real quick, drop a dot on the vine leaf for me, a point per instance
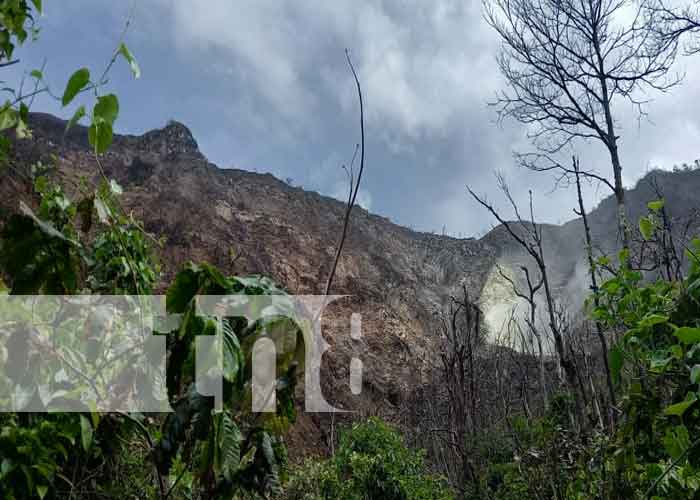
(688, 335)
(42, 491)
(106, 109)
(229, 439)
(695, 374)
(126, 53)
(100, 136)
(646, 227)
(77, 82)
(75, 119)
(656, 205)
(678, 409)
(86, 432)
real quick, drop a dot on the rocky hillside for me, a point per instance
(251, 223)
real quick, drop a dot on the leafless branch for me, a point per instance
(353, 189)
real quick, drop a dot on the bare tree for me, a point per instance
(529, 236)
(581, 212)
(678, 22)
(462, 336)
(354, 188)
(531, 320)
(354, 183)
(568, 63)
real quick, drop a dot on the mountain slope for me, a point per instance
(246, 223)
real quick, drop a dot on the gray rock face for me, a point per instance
(172, 140)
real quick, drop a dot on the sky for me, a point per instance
(264, 86)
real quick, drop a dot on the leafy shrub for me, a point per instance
(372, 462)
(655, 451)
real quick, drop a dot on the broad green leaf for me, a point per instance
(646, 227)
(611, 287)
(77, 116)
(22, 129)
(615, 359)
(77, 82)
(95, 416)
(249, 457)
(5, 467)
(656, 205)
(41, 491)
(106, 109)
(28, 476)
(124, 51)
(184, 287)
(688, 335)
(37, 5)
(8, 117)
(679, 409)
(43, 225)
(41, 184)
(652, 319)
(229, 439)
(653, 471)
(695, 374)
(100, 136)
(659, 362)
(676, 441)
(232, 355)
(23, 112)
(623, 256)
(677, 351)
(86, 432)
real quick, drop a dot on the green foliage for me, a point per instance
(654, 358)
(76, 83)
(51, 252)
(91, 246)
(655, 452)
(16, 25)
(372, 462)
(124, 51)
(235, 450)
(539, 458)
(33, 451)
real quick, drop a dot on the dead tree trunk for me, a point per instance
(594, 288)
(530, 239)
(531, 321)
(462, 337)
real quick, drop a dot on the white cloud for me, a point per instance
(417, 61)
(268, 86)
